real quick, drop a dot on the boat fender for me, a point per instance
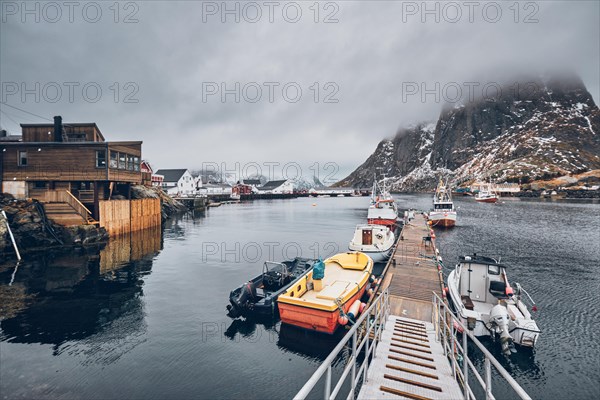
(343, 320)
(362, 307)
(354, 310)
(458, 327)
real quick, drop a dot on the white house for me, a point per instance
(177, 182)
(215, 189)
(277, 187)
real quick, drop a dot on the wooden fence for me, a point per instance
(119, 217)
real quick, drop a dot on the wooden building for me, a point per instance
(51, 160)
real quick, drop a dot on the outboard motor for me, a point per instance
(243, 300)
(499, 324)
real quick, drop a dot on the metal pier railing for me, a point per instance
(367, 335)
(447, 328)
(369, 327)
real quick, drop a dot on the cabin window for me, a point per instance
(100, 159)
(129, 162)
(493, 269)
(122, 161)
(40, 185)
(136, 164)
(22, 159)
(114, 157)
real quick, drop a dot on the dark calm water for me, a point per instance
(145, 317)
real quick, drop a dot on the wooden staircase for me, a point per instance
(67, 210)
(63, 214)
(410, 364)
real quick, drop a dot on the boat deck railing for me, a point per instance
(363, 337)
(447, 328)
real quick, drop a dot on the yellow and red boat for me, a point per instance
(318, 304)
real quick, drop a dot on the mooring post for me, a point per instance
(12, 238)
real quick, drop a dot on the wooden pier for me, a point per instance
(409, 336)
(410, 362)
(412, 273)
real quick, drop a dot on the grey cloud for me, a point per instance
(369, 54)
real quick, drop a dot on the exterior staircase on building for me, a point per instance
(63, 214)
(65, 209)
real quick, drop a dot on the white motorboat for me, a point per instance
(486, 303)
(374, 240)
(443, 213)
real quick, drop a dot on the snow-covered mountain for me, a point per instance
(551, 129)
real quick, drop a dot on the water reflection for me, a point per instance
(57, 297)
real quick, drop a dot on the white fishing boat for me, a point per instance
(486, 303)
(376, 241)
(443, 213)
(486, 194)
(382, 210)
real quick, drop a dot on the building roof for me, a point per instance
(251, 181)
(11, 138)
(171, 175)
(67, 124)
(272, 185)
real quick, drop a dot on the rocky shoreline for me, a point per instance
(34, 232)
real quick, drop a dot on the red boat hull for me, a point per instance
(313, 319)
(390, 223)
(489, 200)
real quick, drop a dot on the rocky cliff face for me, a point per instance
(533, 130)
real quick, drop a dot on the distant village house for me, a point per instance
(177, 182)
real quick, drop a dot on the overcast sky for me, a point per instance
(369, 61)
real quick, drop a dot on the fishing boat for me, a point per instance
(376, 241)
(486, 195)
(382, 210)
(328, 296)
(258, 297)
(443, 213)
(486, 303)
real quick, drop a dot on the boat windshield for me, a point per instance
(270, 265)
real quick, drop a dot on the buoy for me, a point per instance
(458, 327)
(362, 307)
(372, 278)
(314, 204)
(354, 310)
(343, 320)
(370, 292)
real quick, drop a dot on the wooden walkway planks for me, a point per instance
(412, 276)
(410, 375)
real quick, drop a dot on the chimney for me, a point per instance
(58, 128)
